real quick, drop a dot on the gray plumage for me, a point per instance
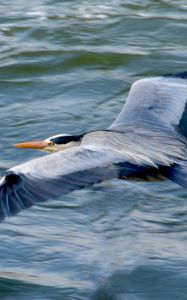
(147, 139)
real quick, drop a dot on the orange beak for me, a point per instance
(40, 145)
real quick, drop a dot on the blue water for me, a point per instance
(66, 67)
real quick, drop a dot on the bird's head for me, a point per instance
(54, 143)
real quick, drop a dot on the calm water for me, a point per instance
(66, 66)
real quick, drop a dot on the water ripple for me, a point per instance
(66, 66)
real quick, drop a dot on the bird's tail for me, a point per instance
(178, 173)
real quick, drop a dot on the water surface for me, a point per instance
(66, 66)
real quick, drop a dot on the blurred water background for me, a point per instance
(66, 66)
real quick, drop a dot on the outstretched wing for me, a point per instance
(57, 174)
(157, 100)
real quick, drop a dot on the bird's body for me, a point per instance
(147, 141)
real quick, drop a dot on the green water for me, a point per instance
(66, 66)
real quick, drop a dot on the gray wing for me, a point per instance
(159, 100)
(57, 174)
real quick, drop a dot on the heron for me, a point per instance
(147, 141)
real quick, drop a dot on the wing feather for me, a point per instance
(160, 100)
(54, 175)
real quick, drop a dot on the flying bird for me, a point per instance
(147, 141)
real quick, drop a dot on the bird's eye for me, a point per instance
(51, 144)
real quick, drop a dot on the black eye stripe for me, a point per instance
(65, 139)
